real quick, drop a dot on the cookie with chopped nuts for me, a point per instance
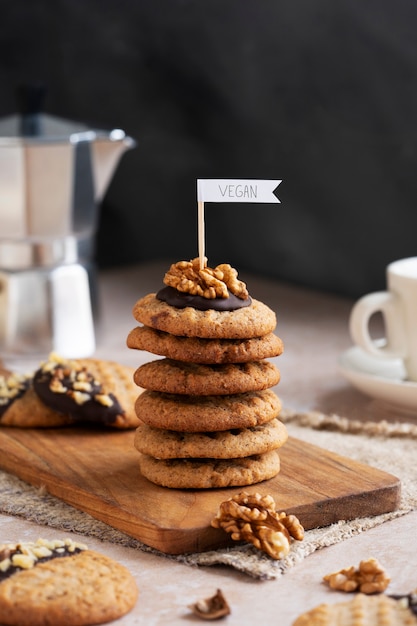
(207, 413)
(116, 381)
(362, 610)
(255, 320)
(169, 376)
(170, 444)
(209, 473)
(65, 392)
(62, 583)
(205, 351)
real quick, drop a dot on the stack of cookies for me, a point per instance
(208, 413)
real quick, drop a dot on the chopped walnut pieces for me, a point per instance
(79, 397)
(12, 386)
(104, 399)
(188, 277)
(369, 578)
(23, 561)
(212, 608)
(69, 378)
(82, 385)
(253, 518)
(21, 556)
(56, 386)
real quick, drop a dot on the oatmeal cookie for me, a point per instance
(209, 473)
(255, 320)
(207, 413)
(169, 444)
(193, 379)
(205, 351)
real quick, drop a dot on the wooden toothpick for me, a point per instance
(201, 236)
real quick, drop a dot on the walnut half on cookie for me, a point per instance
(188, 277)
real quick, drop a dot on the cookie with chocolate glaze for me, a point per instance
(255, 320)
(362, 610)
(65, 392)
(204, 351)
(209, 473)
(169, 376)
(238, 443)
(117, 381)
(62, 583)
(207, 413)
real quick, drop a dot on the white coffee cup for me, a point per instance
(398, 306)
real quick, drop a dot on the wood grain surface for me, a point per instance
(98, 472)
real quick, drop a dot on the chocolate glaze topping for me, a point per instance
(55, 554)
(181, 300)
(91, 409)
(410, 600)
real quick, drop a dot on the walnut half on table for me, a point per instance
(253, 518)
(369, 578)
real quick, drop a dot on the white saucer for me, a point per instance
(380, 379)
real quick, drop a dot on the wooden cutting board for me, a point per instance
(98, 473)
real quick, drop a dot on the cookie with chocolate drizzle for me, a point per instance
(63, 583)
(64, 392)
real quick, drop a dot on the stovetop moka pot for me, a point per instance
(53, 175)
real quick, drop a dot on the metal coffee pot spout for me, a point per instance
(53, 176)
(106, 153)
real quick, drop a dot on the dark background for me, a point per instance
(321, 94)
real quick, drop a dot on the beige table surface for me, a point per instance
(314, 327)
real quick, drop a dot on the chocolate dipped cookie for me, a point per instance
(62, 583)
(63, 392)
(362, 610)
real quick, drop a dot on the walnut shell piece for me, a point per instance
(212, 608)
(253, 518)
(369, 578)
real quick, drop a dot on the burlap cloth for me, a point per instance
(388, 446)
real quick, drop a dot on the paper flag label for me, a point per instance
(222, 190)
